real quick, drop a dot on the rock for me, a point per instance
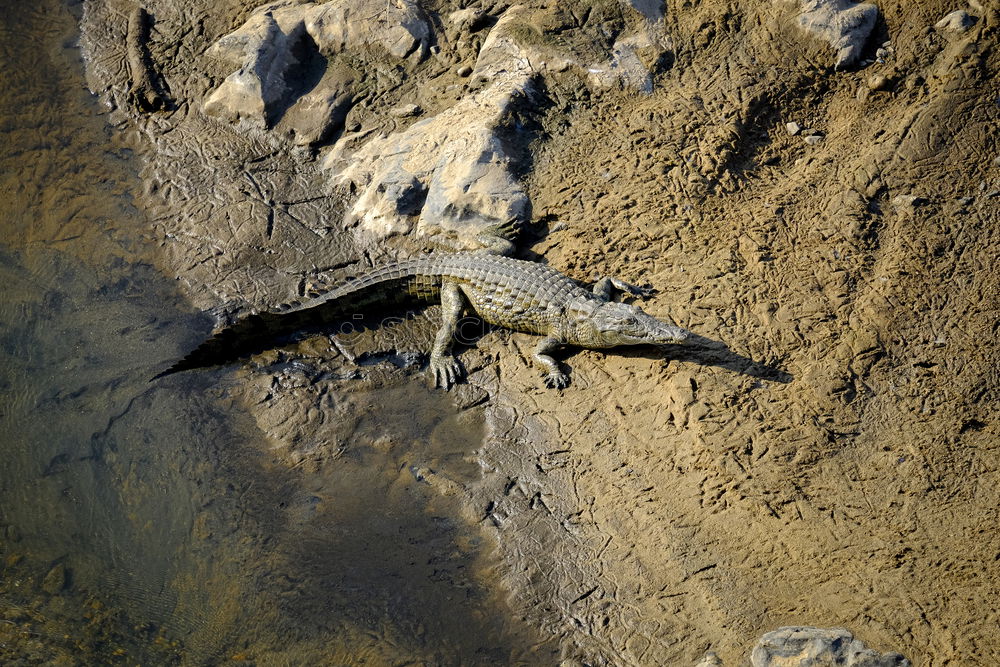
(467, 20)
(956, 22)
(710, 659)
(842, 23)
(406, 110)
(55, 580)
(265, 54)
(319, 113)
(651, 9)
(793, 128)
(464, 70)
(265, 48)
(877, 82)
(626, 65)
(450, 171)
(908, 201)
(818, 647)
(813, 139)
(400, 27)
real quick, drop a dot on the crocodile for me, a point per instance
(503, 291)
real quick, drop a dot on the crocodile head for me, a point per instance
(613, 324)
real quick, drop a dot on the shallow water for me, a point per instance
(182, 537)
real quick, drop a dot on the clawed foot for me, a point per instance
(446, 370)
(605, 289)
(641, 292)
(556, 380)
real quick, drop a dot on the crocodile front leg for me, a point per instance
(499, 239)
(605, 288)
(444, 367)
(556, 378)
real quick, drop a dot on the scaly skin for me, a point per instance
(511, 293)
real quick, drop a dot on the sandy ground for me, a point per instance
(667, 505)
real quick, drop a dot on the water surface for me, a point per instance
(149, 522)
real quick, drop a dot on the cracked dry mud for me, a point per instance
(664, 505)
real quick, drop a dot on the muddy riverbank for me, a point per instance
(813, 184)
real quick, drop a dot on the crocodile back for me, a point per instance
(514, 293)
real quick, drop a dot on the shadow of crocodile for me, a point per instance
(709, 352)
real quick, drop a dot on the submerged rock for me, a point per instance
(842, 23)
(55, 580)
(818, 647)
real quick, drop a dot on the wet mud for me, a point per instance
(825, 455)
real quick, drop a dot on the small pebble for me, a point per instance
(405, 110)
(813, 139)
(882, 53)
(877, 82)
(464, 70)
(908, 201)
(793, 128)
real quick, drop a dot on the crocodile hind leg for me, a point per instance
(605, 288)
(444, 366)
(556, 378)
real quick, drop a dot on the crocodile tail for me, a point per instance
(251, 335)
(385, 288)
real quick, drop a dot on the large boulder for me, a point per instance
(265, 50)
(451, 172)
(844, 24)
(268, 47)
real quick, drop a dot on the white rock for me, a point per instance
(710, 659)
(464, 19)
(264, 46)
(793, 128)
(264, 49)
(405, 110)
(813, 139)
(906, 202)
(818, 647)
(956, 22)
(449, 172)
(842, 23)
